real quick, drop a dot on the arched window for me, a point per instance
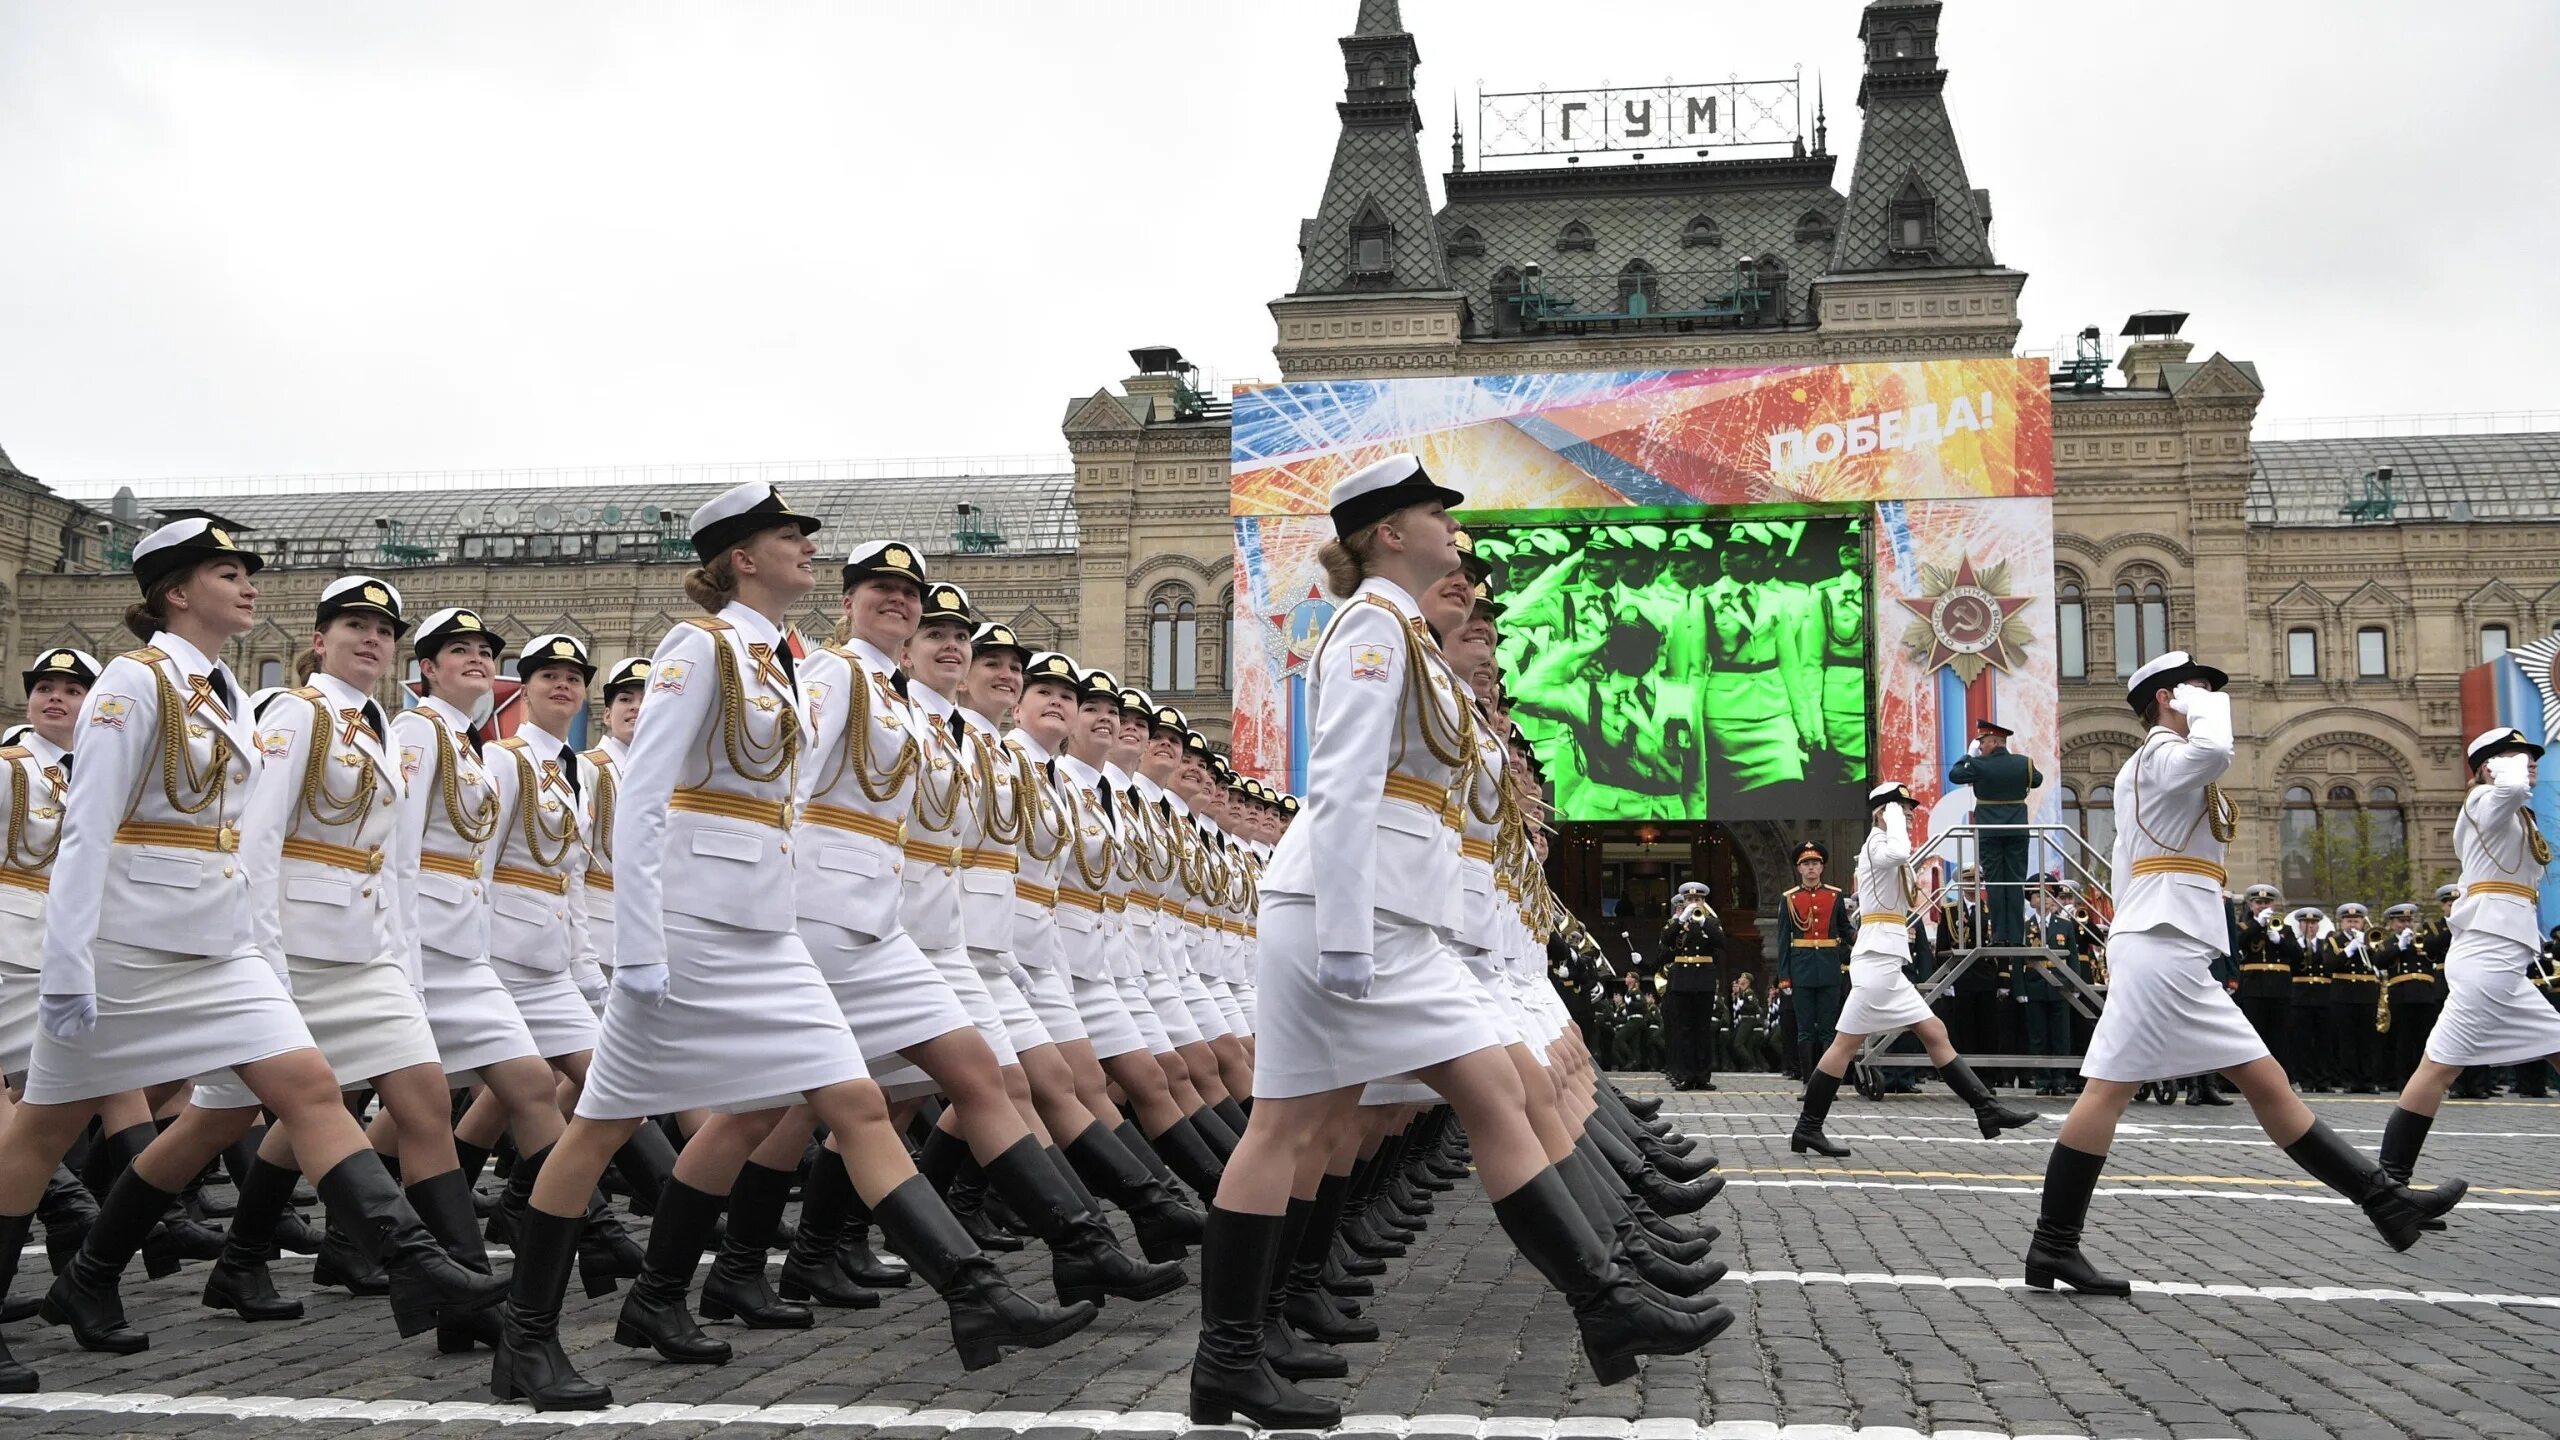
(1635, 288)
(1173, 641)
(1227, 634)
(1701, 230)
(2386, 829)
(2302, 654)
(1504, 291)
(2373, 653)
(1575, 236)
(1814, 228)
(2493, 642)
(1915, 217)
(2071, 616)
(1372, 238)
(1377, 73)
(1771, 275)
(2296, 833)
(1467, 241)
(2142, 622)
(270, 673)
(2098, 819)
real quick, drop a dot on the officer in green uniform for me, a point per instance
(2042, 998)
(1691, 954)
(1815, 933)
(2414, 980)
(2000, 778)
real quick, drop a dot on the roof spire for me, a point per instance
(1457, 138)
(1379, 17)
(1821, 124)
(1374, 228)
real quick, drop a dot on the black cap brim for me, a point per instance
(1415, 489)
(151, 569)
(2176, 676)
(721, 536)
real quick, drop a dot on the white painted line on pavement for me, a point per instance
(1106, 1422)
(2323, 1294)
(2118, 1192)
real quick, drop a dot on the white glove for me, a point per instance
(1346, 972)
(1021, 974)
(2178, 700)
(2505, 770)
(1973, 751)
(1897, 824)
(591, 983)
(644, 983)
(67, 1017)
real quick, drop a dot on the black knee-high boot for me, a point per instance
(1230, 1372)
(1671, 1197)
(2403, 1136)
(443, 1203)
(855, 1257)
(1189, 1155)
(810, 1271)
(988, 1316)
(2397, 1212)
(654, 1314)
(1618, 1323)
(1214, 1130)
(1166, 1227)
(1085, 1260)
(67, 1210)
(15, 1379)
(2070, 1177)
(1292, 1355)
(529, 1364)
(1633, 1246)
(85, 1295)
(518, 1197)
(1232, 1113)
(1820, 1089)
(1302, 1302)
(1989, 1114)
(947, 1165)
(736, 1286)
(646, 1160)
(240, 1282)
(427, 1282)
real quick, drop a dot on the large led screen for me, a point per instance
(1680, 667)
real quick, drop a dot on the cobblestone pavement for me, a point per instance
(1877, 1297)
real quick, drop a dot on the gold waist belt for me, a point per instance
(169, 834)
(2181, 865)
(542, 880)
(837, 817)
(340, 857)
(773, 813)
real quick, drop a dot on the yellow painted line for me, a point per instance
(2271, 1181)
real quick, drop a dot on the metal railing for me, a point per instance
(2080, 872)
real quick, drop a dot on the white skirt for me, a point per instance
(561, 1020)
(1022, 1027)
(1106, 1017)
(363, 1017)
(2492, 1014)
(163, 1016)
(1164, 994)
(970, 989)
(1881, 997)
(1142, 1013)
(2166, 1017)
(888, 992)
(1053, 999)
(746, 1024)
(1205, 1014)
(21, 949)
(1423, 1007)
(472, 1016)
(1224, 996)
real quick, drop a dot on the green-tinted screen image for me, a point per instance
(1687, 668)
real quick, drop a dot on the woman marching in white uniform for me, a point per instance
(2492, 1013)
(38, 760)
(314, 838)
(1358, 983)
(623, 686)
(2166, 1017)
(1881, 997)
(149, 858)
(711, 972)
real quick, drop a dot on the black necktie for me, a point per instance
(373, 720)
(790, 671)
(569, 766)
(222, 693)
(64, 764)
(1105, 792)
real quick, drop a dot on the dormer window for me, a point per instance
(1377, 73)
(1914, 218)
(1575, 236)
(1701, 230)
(1466, 241)
(1814, 228)
(1371, 238)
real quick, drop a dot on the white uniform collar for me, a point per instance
(1147, 787)
(538, 741)
(44, 752)
(976, 721)
(341, 695)
(1179, 808)
(750, 624)
(616, 752)
(445, 710)
(1078, 771)
(1118, 777)
(924, 697)
(872, 656)
(1030, 746)
(1392, 593)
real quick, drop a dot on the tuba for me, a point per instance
(2382, 1000)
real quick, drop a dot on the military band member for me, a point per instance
(2355, 1001)
(152, 970)
(1814, 931)
(2041, 993)
(2307, 955)
(716, 1002)
(2266, 970)
(2165, 1014)
(2001, 780)
(1693, 950)
(1881, 996)
(2493, 1013)
(2415, 985)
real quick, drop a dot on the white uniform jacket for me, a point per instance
(1479, 920)
(538, 858)
(439, 851)
(2501, 871)
(2168, 868)
(1153, 854)
(602, 769)
(1041, 848)
(1884, 890)
(989, 859)
(1085, 874)
(1377, 832)
(940, 816)
(32, 797)
(703, 827)
(858, 781)
(151, 832)
(317, 834)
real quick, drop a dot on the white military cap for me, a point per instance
(2505, 740)
(454, 622)
(362, 593)
(1375, 491)
(554, 649)
(62, 662)
(740, 511)
(181, 543)
(1891, 792)
(884, 557)
(2168, 673)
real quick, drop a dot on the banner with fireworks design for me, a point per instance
(1953, 459)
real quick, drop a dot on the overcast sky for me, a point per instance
(289, 237)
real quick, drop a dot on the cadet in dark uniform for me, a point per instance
(2355, 1001)
(2266, 971)
(2414, 981)
(1636, 1026)
(1692, 951)
(1577, 986)
(1814, 929)
(2309, 961)
(2043, 999)
(2000, 778)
